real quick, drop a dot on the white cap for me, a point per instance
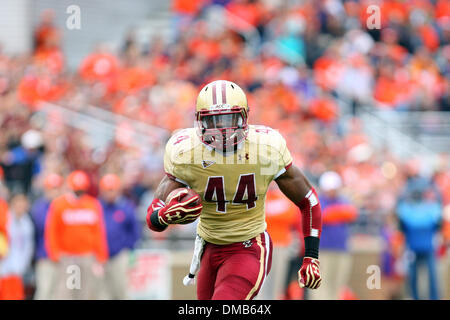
(360, 153)
(330, 180)
(31, 139)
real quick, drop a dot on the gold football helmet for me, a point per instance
(221, 115)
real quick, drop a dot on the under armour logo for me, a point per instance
(247, 243)
(177, 215)
(207, 163)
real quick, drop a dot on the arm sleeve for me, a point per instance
(312, 223)
(311, 214)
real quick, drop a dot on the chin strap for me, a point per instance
(195, 263)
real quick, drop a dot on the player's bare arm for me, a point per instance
(181, 205)
(293, 184)
(166, 186)
(300, 191)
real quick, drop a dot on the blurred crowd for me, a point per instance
(303, 64)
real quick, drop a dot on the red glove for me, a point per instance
(178, 210)
(309, 274)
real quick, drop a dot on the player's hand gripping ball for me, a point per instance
(183, 206)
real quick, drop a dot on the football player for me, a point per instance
(230, 165)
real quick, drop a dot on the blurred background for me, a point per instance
(97, 87)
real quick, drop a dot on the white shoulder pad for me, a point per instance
(268, 136)
(181, 143)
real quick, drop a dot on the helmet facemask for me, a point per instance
(222, 127)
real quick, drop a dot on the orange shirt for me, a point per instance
(52, 58)
(99, 67)
(3, 228)
(339, 213)
(430, 37)
(3, 216)
(446, 231)
(386, 91)
(442, 9)
(443, 183)
(241, 15)
(187, 6)
(76, 227)
(281, 217)
(324, 109)
(32, 89)
(133, 79)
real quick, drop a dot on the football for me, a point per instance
(190, 193)
(185, 197)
